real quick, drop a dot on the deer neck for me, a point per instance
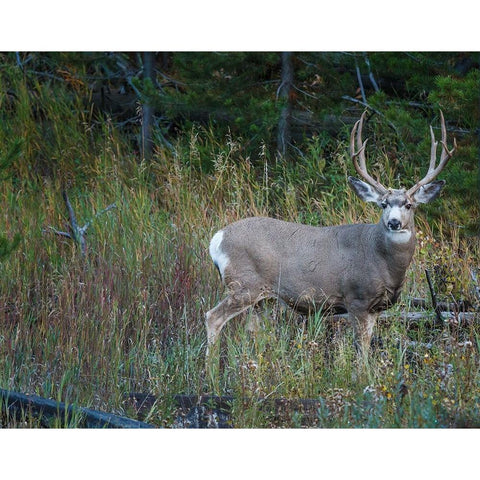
(396, 247)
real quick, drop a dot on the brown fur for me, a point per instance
(357, 268)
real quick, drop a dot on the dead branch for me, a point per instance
(101, 212)
(58, 232)
(437, 310)
(360, 83)
(367, 105)
(370, 73)
(77, 233)
(476, 286)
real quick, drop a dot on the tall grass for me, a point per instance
(128, 316)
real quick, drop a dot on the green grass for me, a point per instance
(128, 317)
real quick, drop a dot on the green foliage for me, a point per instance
(7, 159)
(7, 247)
(459, 98)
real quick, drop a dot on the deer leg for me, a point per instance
(254, 320)
(231, 306)
(363, 324)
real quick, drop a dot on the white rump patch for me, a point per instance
(219, 258)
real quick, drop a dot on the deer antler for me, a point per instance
(444, 157)
(360, 155)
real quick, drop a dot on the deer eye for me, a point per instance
(384, 204)
(408, 206)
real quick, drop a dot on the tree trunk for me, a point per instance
(284, 94)
(147, 108)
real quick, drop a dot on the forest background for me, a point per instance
(116, 168)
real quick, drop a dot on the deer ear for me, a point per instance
(429, 192)
(365, 191)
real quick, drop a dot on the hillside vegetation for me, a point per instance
(126, 314)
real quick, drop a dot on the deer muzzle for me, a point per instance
(394, 224)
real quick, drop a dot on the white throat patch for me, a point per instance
(399, 236)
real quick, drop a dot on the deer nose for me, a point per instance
(394, 224)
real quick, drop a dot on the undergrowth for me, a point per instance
(128, 315)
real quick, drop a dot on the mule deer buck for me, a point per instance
(359, 268)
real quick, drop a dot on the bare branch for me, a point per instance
(101, 212)
(370, 73)
(436, 308)
(71, 214)
(359, 78)
(378, 112)
(58, 232)
(476, 287)
(78, 233)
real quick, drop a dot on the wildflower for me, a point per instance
(427, 359)
(385, 392)
(251, 365)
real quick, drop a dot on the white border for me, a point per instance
(209, 25)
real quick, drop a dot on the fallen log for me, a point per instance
(412, 318)
(213, 411)
(46, 410)
(460, 306)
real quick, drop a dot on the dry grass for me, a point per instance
(129, 315)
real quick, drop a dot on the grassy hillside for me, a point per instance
(128, 315)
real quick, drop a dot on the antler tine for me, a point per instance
(446, 155)
(433, 151)
(359, 154)
(445, 151)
